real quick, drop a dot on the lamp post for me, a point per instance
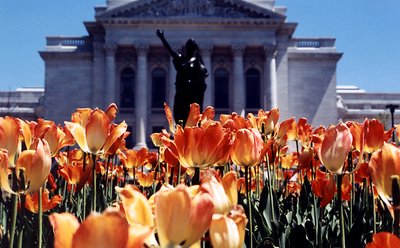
(392, 108)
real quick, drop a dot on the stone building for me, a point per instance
(355, 104)
(247, 46)
(25, 103)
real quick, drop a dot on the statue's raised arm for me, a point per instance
(160, 34)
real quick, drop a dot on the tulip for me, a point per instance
(32, 201)
(383, 164)
(335, 148)
(136, 207)
(92, 130)
(180, 219)
(247, 147)
(202, 146)
(228, 231)
(36, 165)
(222, 203)
(229, 182)
(373, 135)
(132, 158)
(108, 229)
(325, 189)
(9, 136)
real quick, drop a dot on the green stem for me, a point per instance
(14, 209)
(20, 237)
(13, 219)
(94, 193)
(40, 218)
(341, 215)
(246, 175)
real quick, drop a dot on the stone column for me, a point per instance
(98, 75)
(206, 52)
(110, 71)
(270, 76)
(239, 90)
(141, 95)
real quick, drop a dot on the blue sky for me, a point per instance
(367, 32)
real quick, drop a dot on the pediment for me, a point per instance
(191, 9)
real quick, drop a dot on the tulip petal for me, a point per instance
(64, 227)
(136, 206)
(172, 216)
(78, 132)
(96, 130)
(109, 230)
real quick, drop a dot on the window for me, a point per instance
(221, 88)
(159, 86)
(253, 99)
(127, 85)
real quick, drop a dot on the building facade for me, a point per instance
(25, 103)
(355, 104)
(248, 47)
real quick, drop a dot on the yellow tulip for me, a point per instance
(180, 219)
(228, 231)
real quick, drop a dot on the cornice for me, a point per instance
(58, 55)
(311, 55)
(198, 22)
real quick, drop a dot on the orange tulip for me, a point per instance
(9, 136)
(247, 147)
(108, 229)
(32, 201)
(145, 180)
(132, 158)
(92, 130)
(71, 167)
(233, 121)
(373, 135)
(156, 137)
(202, 146)
(136, 208)
(180, 219)
(397, 130)
(384, 164)
(210, 184)
(335, 148)
(228, 231)
(36, 165)
(325, 189)
(384, 240)
(357, 131)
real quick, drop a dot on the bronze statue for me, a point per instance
(190, 78)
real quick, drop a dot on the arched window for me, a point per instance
(221, 88)
(159, 86)
(253, 99)
(127, 86)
